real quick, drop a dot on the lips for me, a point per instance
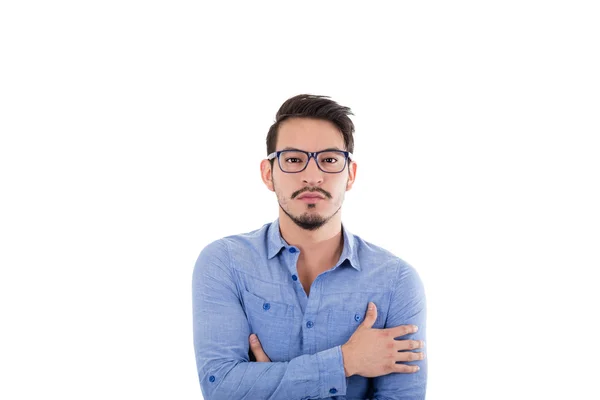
(310, 196)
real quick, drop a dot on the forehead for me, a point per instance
(309, 134)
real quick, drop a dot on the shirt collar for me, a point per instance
(276, 243)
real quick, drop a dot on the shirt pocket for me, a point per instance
(341, 324)
(272, 322)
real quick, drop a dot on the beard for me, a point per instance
(309, 221)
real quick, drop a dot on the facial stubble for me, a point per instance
(307, 221)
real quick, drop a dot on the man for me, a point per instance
(302, 284)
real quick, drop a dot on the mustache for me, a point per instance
(299, 192)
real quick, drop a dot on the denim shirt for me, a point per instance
(249, 283)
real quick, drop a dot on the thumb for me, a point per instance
(257, 349)
(371, 315)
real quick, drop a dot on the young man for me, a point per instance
(302, 284)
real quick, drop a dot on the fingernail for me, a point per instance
(253, 338)
(416, 328)
(371, 306)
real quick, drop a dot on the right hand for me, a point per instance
(372, 352)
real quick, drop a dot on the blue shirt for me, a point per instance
(249, 283)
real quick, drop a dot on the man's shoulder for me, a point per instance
(246, 240)
(237, 243)
(381, 262)
(375, 255)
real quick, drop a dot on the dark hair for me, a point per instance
(313, 106)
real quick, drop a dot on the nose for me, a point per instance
(312, 175)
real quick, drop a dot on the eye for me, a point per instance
(332, 160)
(293, 158)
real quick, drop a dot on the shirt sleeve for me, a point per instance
(221, 332)
(408, 306)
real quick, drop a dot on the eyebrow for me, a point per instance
(327, 149)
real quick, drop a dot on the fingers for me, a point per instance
(405, 369)
(408, 344)
(370, 316)
(257, 349)
(401, 345)
(402, 330)
(410, 356)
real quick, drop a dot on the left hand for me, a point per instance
(257, 350)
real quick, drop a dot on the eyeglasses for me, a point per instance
(329, 161)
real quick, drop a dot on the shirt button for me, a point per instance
(357, 317)
(292, 249)
(266, 306)
(294, 277)
(212, 378)
(333, 390)
(309, 324)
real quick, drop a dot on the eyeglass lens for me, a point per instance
(329, 161)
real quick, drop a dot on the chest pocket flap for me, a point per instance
(272, 322)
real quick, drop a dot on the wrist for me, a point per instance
(346, 359)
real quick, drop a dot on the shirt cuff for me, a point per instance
(331, 372)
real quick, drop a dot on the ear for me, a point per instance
(266, 173)
(351, 175)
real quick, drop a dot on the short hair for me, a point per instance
(313, 106)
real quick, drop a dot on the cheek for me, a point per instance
(282, 188)
(341, 187)
(338, 192)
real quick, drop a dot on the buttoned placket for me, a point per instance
(311, 305)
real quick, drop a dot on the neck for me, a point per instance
(319, 249)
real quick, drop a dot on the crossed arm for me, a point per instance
(258, 354)
(221, 341)
(221, 333)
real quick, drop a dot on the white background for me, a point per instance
(131, 136)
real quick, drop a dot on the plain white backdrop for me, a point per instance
(131, 137)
